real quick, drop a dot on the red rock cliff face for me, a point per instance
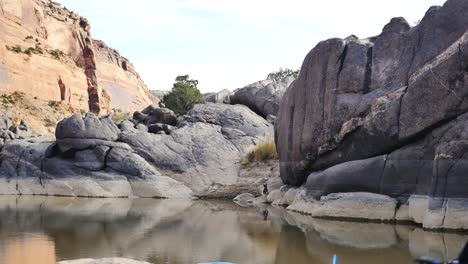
(118, 76)
(47, 51)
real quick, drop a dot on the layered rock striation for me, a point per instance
(384, 115)
(47, 51)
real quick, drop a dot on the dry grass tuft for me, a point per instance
(119, 116)
(264, 151)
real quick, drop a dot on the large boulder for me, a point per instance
(153, 115)
(90, 127)
(356, 99)
(263, 97)
(385, 115)
(205, 152)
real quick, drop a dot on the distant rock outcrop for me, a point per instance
(263, 97)
(9, 131)
(47, 51)
(385, 115)
(153, 115)
(222, 97)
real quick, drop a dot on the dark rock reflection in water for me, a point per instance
(43, 230)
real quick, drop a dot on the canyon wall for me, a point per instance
(47, 51)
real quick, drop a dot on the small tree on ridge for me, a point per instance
(183, 96)
(282, 74)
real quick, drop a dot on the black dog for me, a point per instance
(265, 189)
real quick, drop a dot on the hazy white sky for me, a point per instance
(231, 43)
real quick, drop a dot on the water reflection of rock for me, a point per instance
(400, 243)
(181, 231)
(160, 231)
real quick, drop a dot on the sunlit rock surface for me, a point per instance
(59, 65)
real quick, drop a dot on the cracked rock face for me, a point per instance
(93, 157)
(358, 99)
(384, 115)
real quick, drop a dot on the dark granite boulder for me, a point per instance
(358, 99)
(263, 97)
(153, 115)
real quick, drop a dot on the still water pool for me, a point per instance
(43, 230)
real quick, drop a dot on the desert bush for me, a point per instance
(57, 54)
(16, 49)
(282, 74)
(120, 115)
(8, 99)
(54, 104)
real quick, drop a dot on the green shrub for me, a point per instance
(57, 54)
(183, 96)
(28, 51)
(7, 99)
(16, 49)
(264, 151)
(54, 104)
(282, 74)
(29, 37)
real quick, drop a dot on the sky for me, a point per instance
(228, 44)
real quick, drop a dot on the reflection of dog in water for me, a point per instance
(265, 215)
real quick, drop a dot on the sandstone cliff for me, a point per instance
(46, 51)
